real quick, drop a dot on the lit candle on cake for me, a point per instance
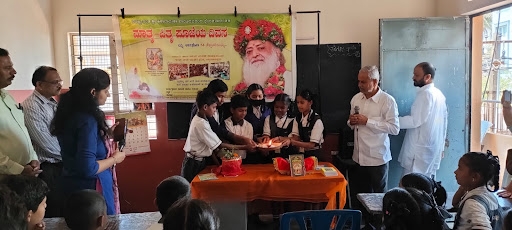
(269, 143)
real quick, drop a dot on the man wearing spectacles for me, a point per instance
(39, 109)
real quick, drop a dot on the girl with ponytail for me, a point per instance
(478, 176)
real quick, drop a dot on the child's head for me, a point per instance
(304, 101)
(85, 210)
(206, 102)
(169, 191)
(191, 214)
(507, 221)
(255, 95)
(478, 169)
(282, 104)
(32, 191)
(219, 88)
(427, 184)
(239, 105)
(431, 216)
(401, 211)
(13, 213)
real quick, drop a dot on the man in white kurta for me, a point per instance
(424, 140)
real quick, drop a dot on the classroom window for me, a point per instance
(98, 51)
(496, 66)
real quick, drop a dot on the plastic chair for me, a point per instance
(322, 219)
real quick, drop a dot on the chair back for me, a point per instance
(322, 219)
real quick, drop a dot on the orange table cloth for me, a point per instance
(263, 182)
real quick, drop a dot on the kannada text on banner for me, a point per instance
(169, 58)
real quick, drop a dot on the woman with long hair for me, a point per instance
(88, 156)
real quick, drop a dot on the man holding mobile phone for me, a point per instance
(17, 156)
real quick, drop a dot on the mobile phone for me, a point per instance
(507, 96)
(119, 131)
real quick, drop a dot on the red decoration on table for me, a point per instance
(282, 165)
(231, 164)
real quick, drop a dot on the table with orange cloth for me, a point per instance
(263, 182)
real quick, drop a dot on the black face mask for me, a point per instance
(257, 103)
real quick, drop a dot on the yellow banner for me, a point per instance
(169, 58)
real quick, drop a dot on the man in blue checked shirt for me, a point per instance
(39, 109)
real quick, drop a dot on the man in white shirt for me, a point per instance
(374, 115)
(426, 126)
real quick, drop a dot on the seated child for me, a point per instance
(411, 208)
(507, 177)
(86, 210)
(507, 221)
(426, 184)
(13, 213)
(191, 214)
(201, 140)
(169, 191)
(32, 191)
(432, 216)
(400, 210)
(236, 122)
(474, 199)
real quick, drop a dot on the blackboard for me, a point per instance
(339, 66)
(339, 63)
(178, 119)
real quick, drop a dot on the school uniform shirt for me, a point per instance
(473, 214)
(201, 140)
(243, 128)
(282, 122)
(371, 141)
(193, 112)
(215, 123)
(256, 116)
(317, 131)
(426, 132)
(16, 149)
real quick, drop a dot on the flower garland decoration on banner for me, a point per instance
(266, 31)
(258, 30)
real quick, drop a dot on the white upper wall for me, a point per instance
(341, 21)
(27, 34)
(446, 8)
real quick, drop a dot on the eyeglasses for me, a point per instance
(54, 82)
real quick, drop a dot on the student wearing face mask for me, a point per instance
(256, 115)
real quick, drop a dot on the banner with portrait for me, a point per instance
(166, 58)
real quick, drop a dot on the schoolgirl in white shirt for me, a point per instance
(307, 131)
(474, 198)
(279, 124)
